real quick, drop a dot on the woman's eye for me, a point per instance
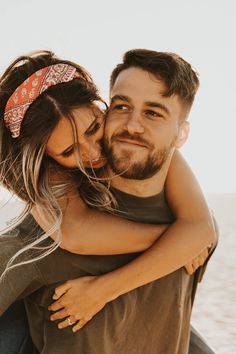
(94, 129)
(68, 153)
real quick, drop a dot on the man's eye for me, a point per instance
(151, 113)
(120, 107)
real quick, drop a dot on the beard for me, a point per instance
(123, 163)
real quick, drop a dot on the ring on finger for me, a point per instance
(70, 323)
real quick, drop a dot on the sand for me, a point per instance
(214, 313)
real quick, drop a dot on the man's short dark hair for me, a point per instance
(177, 74)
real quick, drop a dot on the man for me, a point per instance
(146, 122)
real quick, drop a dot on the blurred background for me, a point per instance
(96, 34)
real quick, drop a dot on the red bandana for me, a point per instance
(30, 89)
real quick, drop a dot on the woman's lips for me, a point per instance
(96, 163)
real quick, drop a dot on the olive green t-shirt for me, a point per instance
(152, 319)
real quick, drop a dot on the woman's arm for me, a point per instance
(88, 231)
(192, 232)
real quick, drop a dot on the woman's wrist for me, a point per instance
(113, 284)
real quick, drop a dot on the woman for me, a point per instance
(66, 99)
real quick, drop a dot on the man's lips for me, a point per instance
(131, 142)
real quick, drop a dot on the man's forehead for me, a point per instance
(141, 87)
(137, 80)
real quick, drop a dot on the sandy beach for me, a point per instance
(214, 311)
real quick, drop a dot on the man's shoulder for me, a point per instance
(153, 209)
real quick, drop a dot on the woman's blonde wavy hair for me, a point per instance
(25, 169)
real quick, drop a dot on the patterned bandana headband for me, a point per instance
(30, 89)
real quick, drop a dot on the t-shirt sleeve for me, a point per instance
(19, 281)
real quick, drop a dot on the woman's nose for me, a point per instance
(90, 150)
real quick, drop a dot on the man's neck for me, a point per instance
(142, 188)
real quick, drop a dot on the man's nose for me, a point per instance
(134, 123)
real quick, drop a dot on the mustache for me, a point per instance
(126, 135)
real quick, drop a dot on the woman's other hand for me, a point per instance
(197, 262)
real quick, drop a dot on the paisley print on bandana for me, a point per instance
(30, 89)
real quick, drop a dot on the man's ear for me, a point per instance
(183, 134)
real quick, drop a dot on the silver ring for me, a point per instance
(69, 322)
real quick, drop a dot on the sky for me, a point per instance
(96, 34)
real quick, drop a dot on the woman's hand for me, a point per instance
(77, 301)
(197, 262)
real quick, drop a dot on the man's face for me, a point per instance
(143, 126)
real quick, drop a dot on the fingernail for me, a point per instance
(54, 297)
(52, 318)
(59, 326)
(74, 330)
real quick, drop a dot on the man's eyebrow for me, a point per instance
(120, 97)
(157, 105)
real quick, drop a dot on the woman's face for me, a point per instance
(61, 146)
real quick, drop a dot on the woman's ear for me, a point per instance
(183, 134)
